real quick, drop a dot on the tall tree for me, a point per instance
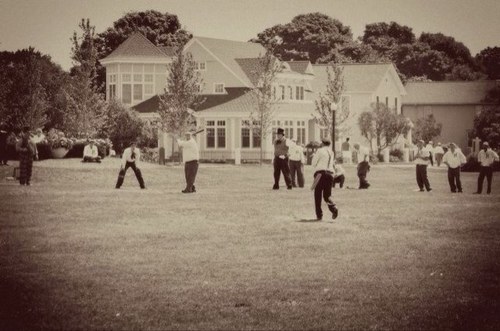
(182, 94)
(85, 106)
(382, 125)
(326, 101)
(489, 62)
(162, 29)
(307, 37)
(263, 98)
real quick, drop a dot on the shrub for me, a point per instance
(149, 136)
(43, 149)
(397, 153)
(57, 139)
(126, 127)
(150, 155)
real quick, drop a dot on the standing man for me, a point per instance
(130, 159)
(363, 166)
(323, 177)
(346, 151)
(281, 145)
(296, 163)
(190, 157)
(454, 159)
(485, 157)
(27, 151)
(91, 153)
(438, 154)
(422, 160)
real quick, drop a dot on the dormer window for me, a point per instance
(201, 66)
(299, 92)
(218, 88)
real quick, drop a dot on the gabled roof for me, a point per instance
(168, 50)
(302, 67)
(227, 51)
(357, 77)
(136, 45)
(431, 93)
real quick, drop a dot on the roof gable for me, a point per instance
(137, 45)
(302, 67)
(427, 93)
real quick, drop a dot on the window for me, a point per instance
(219, 88)
(245, 138)
(288, 127)
(137, 92)
(396, 104)
(250, 137)
(127, 93)
(387, 102)
(216, 134)
(301, 132)
(112, 91)
(325, 133)
(126, 78)
(148, 89)
(274, 92)
(148, 78)
(282, 91)
(299, 92)
(200, 66)
(137, 78)
(290, 92)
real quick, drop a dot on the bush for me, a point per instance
(43, 149)
(57, 138)
(396, 153)
(150, 155)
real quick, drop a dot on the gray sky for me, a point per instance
(47, 25)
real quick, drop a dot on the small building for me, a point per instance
(453, 104)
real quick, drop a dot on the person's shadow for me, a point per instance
(312, 220)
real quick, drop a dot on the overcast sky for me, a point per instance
(48, 25)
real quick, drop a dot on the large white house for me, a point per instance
(136, 75)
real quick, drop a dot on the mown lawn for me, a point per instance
(78, 254)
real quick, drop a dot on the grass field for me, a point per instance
(78, 254)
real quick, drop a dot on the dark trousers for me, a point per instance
(296, 167)
(92, 159)
(484, 172)
(454, 179)
(281, 165)
(323, 190)
(422, 179)
(123, 171)
(363, 169)
(25, 168)
(431, 159)
(439, 158)
(340, 179)
(190, 171)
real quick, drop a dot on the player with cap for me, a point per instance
(422, 158)
(322, 162)
(486, 157)
(281, 145)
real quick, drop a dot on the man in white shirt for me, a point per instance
(91, 153)
(339, 175)
(363, 165)
(486, 157)
(296, 163)
(322, 162)
(190, 157)
(130, 159)
(438, 154)
(280, 163)
(454, 159)
(422, 158)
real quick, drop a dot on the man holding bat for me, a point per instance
(323, 179)
(190, 156)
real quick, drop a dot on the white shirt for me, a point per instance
(190, 150)
(487, 158)
(38, 138)
(438, 150)
(363, 154)
(455, 159)
(323, 159)
(296, 152)
(339, 171)
(420, 154)
(90, 151)
(127, 156)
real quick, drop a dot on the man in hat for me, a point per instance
(322, 162)
(130, 159)
(190, 157)
(486, 157)
(454, 159)
(91, 153)
(281, 146)
(363, 165)
(296, 163)
(422, 160)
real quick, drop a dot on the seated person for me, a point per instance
(90, 153)
(339, 175)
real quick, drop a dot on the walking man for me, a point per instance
(422, 160)
(281, 145)
(130, 159)
(296, 163)
(323, 177)
(454, 159)
(363, 166)
(190, 157)
(346, 152)
(486, 157)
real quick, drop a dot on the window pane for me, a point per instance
(148, 89)
(137, 78)
(219, 88)
(221, 138)
(290, 92)
(202, 65)
(282, 92)
(137, 91)
(148, 78)
(127, 93)
(126, 78)
(112, 91)
(256, 140)
(245, 138)
(210, 123)
(149, 68)
(210, 138)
